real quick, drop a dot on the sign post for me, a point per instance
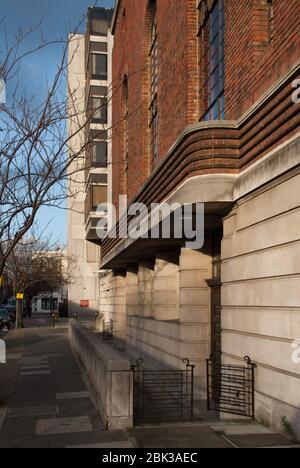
(19, 310)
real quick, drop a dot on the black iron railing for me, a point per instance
(163, 395)
(231, 388)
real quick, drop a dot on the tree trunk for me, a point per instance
(19, 314)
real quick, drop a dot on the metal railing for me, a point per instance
(163, 395)
(231, 388)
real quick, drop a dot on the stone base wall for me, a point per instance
(260, 295)
(109, 375)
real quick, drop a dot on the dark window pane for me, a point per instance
(98, 91)
(215, 111)
(99, 196)
(98, 178)
(99, 110)
(98, 135)
(213, 34)
(100, 153)
(99, 47)
(99, 67)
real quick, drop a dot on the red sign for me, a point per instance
(85, 304)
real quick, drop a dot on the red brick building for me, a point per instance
(203, 111)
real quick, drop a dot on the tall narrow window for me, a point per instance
(126, 135)
(211, 34)
(153, 110)
(99, 109)
(99, 67)
(99, 154)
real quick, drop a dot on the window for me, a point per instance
(98, 91)
(46, 303)
(99, 196)
(153, 110)
(212, 58)
(100, 20)
(100, 153)
(99, 110)
(98, 47)
(99, 67)
(125, 85)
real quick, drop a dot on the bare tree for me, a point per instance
(37, 266)
(36, 151)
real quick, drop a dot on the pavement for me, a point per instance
(45, 403)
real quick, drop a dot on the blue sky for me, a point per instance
(60, 16)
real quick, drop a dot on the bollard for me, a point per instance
(96, 315)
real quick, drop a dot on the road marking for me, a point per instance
(14, 356)
(32, 411)
(36, 366)
(72, 395)
(32, 373)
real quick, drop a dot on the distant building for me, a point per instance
(54, 297)
(90, 77)
(48, 302)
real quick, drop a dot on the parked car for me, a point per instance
(12, 312)
(5, 321)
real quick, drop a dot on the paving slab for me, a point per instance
(23, 411)
(24, 442)
(260, 441)
(18, 427)
(242, 429)
(179, 437)
(112, 445)
(96, 437)
(63, 425)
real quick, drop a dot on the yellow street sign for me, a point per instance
(20, 296)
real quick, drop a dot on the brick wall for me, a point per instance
(254, 61)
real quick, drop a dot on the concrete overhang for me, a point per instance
(91, 227)
(215, 191)
(218, 193)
